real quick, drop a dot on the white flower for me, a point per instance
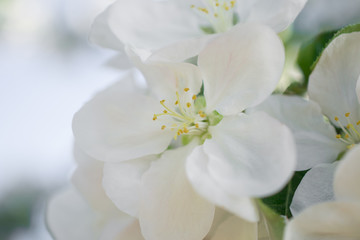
(339, 219)
(333, 91)
(179, 29)
(86, 212)
(241, 155)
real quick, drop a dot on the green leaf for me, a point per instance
(281, 201)
(309, 52)
(348, 29)
(275, 224)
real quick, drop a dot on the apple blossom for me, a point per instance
(226, 156)
(176, 30)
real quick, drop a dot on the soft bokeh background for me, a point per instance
(47, 71)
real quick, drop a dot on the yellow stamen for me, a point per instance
(217, 4)
(232, 4)
(163, 127)
(338, 136)
(347, 114)
(358, 123)
(336, 118)
(177, 102)
(186, 89)
(188, 104)
(154, 117)
(196, 125)
(194, 97)
(203, 10)
(165, 111)
(348, 126)
(346, 135)
(216, 15)
(162, 101)
(186, 130)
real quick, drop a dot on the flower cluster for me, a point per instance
(203, 150)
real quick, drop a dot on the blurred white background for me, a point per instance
(47, 71)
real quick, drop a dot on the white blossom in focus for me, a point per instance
(229, 158)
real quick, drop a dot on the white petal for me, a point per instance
(326, 221)
(102, 35)
(332, 84)
(278, 14)
(198, 174)
(87, 178)
(169, 207)
(165, 79)
(69, 217)
(117, 125)
(152, 24)
(235, 228)
(122, 182)
(241, 68)
(315, 187)
(315, 140)
(220, 216)
(250, 155)
(358, 89)
(130, 232)
(347, 176)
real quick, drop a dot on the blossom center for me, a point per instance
(184, 116)
(350, 132)
(219, 13)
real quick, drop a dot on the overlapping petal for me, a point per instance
(116, 125)
(241, 68)
(347, 177)
(278, 14)
(315, 187)
(235, 228)
(169, 207)
(237, 162)
(315, 139)
(333, 82)
(122, 182)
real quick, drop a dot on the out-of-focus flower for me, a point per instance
(85, 212)
(234, 161)
(334, 92)
(315, 17)
(339, 219)
(177, 30)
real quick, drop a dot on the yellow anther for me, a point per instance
(358, 123)
(348, 126)
(163, 127)
(186, 89)
(177, 102)
(217, 4)
(347, 114)
(226, 7)
(196, 125)
(162, 101)
(338, 136)
(232, 4)
(336, 118)
(194, 97)
(192, 6)
(165, 111)
(188, 104)
(186, 130)
(216, 15)
(203, 10)
(154, 117)
(346, 135)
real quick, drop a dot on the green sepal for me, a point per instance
(186, 139)
(215, 118)
(200, 103)
(274, 222)
(207, 29)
